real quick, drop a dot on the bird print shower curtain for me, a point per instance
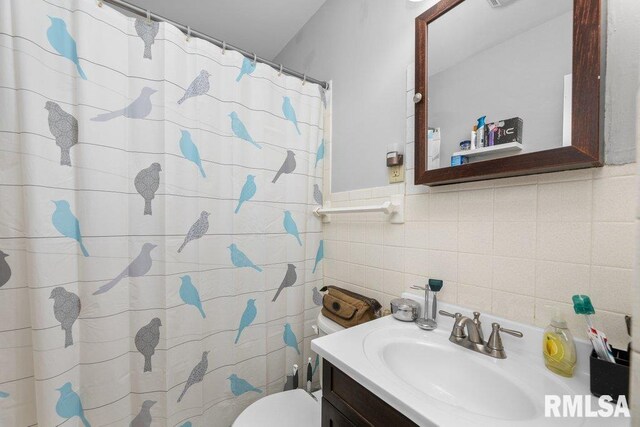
(159, 256)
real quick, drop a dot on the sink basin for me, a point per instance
(450, 376)
(467, 382)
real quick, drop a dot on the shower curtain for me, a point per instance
(159, 257)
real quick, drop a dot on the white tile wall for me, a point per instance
(512, 247)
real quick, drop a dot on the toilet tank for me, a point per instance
(327, 326)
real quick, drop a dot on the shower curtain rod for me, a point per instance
(191, 32)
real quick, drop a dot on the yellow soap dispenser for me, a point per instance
(558, 347)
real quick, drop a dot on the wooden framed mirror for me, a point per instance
(533, 68)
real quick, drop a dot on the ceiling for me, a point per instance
(259, 26)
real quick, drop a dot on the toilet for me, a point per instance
(292, 408)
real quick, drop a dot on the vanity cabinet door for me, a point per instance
(355, 403)
(331, 417)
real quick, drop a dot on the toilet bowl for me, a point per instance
(292, 408)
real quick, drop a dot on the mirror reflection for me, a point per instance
(499, 80)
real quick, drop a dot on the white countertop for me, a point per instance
(351, 351)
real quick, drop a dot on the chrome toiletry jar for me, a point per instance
(405, 309)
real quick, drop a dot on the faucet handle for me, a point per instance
(446, 313)
(511, 332)
(495, 341)
(478, 323)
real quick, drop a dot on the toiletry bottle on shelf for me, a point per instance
(480, 133)
(558, 347)
(474, 135)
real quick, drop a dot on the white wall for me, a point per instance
(364, 46)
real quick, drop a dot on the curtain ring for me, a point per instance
(99, 3)
(326, 86)
(255, 59)
(280, 72)
(224, 46)
(304, 79)
(188, 33)
(148, 16)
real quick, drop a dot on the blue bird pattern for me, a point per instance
(64, 43)
(239, 259)
(69, 403)
(320, 152)
(289, 338)
(248, 316)
(248, 191)
(67, 224)
(241, 386)
(240, 130)
(319, 255)
(291, 227)
(190, 295)
(190, 150)
(290, 113)
(248, 67)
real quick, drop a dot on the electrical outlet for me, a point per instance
(396, 174)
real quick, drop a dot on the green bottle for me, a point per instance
(558, 347)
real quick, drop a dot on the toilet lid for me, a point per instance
(293, 408)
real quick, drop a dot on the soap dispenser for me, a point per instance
(558, 346)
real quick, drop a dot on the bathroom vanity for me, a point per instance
(391, 373)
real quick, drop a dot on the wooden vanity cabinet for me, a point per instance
(346, 403)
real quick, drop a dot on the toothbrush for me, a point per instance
(582, 306)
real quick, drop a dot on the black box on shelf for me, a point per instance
(504, 131)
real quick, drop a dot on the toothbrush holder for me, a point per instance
(608, 378)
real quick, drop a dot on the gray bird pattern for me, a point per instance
(199, 86)
(66, 309)
(197, 230)
(288, 166)
(144, 418)
(289, 279)
(137, 268)
(147, 182)
(197, 374)
(147, 339)
(64, 128)
(317, 296)
(139, 109)
(147, 31)
(5, 269)
(317, 194)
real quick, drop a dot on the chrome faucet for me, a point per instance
(467, 333)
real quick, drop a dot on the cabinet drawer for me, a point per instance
(331, 417)
(359, 405)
